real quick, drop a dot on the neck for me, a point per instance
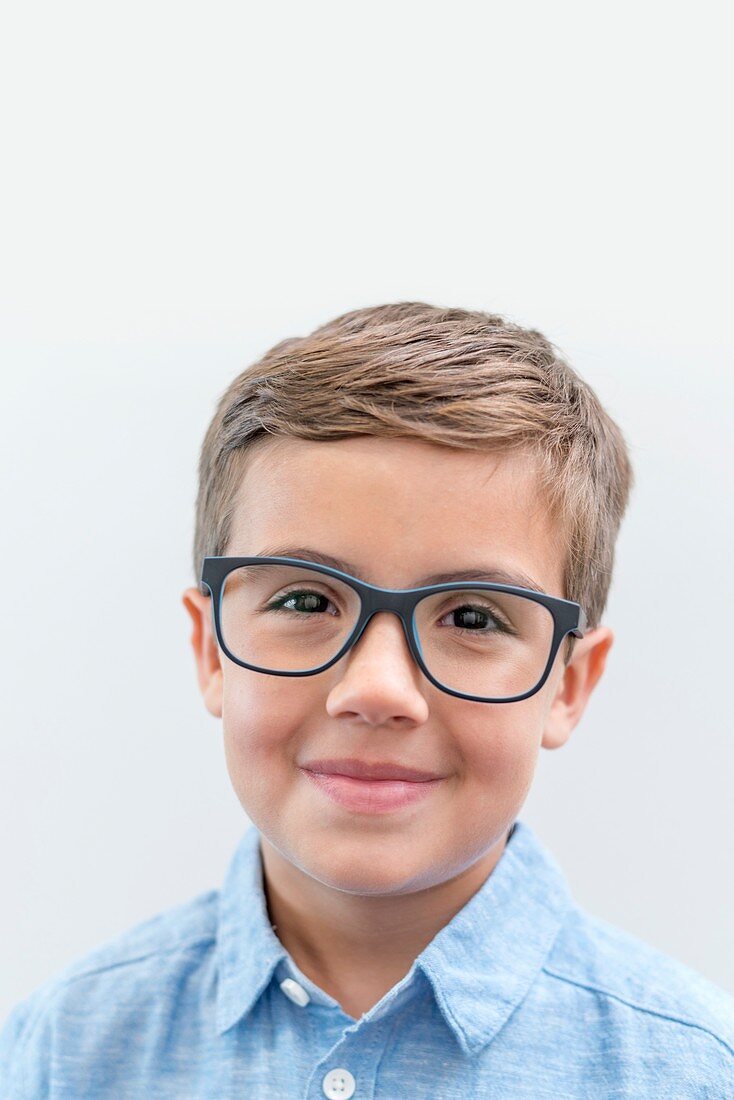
(356, 947)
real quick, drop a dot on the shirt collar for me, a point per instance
(247, 949)
(480, 965)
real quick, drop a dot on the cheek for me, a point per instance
(501, 748)
(497, 751)
(260, 723)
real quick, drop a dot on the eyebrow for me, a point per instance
(495, 575)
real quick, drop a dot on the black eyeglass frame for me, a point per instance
(568, 616)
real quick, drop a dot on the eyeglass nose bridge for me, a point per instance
(402, 604)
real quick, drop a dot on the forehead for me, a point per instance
(397, 508)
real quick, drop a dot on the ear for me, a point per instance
(206, 650)
(576, 684)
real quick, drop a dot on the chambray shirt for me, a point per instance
(523, 995)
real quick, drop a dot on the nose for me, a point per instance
(378, 680)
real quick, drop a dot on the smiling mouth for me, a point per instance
(372, 795)
(363, 769)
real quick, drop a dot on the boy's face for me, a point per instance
(398, 510)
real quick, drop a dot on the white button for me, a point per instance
(338, 1084)
(296, 993)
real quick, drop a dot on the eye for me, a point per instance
(310, 602)
(478, 620)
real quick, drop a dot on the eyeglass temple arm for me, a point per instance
(583, 625)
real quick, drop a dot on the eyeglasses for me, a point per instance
(491, 643)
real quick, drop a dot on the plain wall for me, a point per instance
(187, 186)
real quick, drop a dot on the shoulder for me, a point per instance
(167, 933)
(100, 986)
(644, 990)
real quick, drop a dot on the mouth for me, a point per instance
(363, 769)
(372, 795)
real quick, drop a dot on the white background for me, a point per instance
(183, 186)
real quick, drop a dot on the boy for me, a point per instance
(388, 925)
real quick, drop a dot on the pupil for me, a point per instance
(471, 616)
(310, 600)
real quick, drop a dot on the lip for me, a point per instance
(362, 769)
(371, 796)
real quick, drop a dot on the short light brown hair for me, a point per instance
(455, 377)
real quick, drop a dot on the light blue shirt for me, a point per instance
(523, 996)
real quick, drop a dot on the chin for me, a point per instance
(356, 868)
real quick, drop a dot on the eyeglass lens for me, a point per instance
(283, 618)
